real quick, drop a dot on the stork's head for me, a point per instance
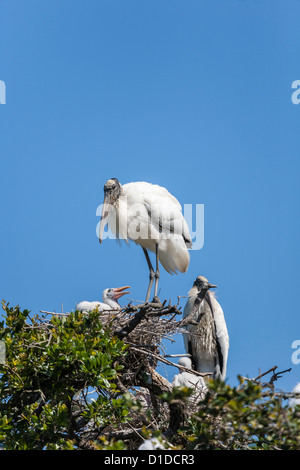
(202, 283)
(185, 362)
(112, 192)
(114, 293)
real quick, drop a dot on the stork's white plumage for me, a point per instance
(296, 400)
(151, 444)
(188, 379)
(110, 300)
(150, 216)
(208, 342)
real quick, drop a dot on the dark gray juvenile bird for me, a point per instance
(208, 341)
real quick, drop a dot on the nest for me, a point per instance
(143, 328)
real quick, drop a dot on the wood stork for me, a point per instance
(152, 217)
(110, 300)
(208, 341)
(188, 379)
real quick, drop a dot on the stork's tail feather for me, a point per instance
(175, 257)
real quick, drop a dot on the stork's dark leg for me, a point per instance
(156, 272)
(151, 274)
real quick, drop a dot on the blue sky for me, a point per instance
(194, 96)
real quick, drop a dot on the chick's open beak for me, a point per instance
(119, 291)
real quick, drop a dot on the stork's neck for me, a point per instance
(193, 293)
(112, 303)
(119, 196)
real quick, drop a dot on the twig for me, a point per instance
(132, 323)
(274, 377)
(135, 430)
(264, 373)
(177, 355)
(54, 313)
(151, 346)
(169, 363)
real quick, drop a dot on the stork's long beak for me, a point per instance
(212, 286)
(104, 215)
(118, 291)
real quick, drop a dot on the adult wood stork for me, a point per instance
(188, 379)
(208, 341)
(152, 217)
(110, 300)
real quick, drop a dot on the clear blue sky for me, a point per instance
(194, 96)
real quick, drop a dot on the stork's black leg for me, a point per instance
(151, 274)
(156, 272)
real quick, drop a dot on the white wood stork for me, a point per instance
(188, 379)
(150, 216)
(110, 300)
(208, 341)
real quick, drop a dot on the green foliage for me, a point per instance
(52, 364)
(47, 363)
(244, 417)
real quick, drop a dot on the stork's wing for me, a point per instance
(176, 382)
(86, 306)
(169, 220)
(162, 208)
(151, 190)
(222, 337)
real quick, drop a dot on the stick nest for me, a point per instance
(143, 328)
